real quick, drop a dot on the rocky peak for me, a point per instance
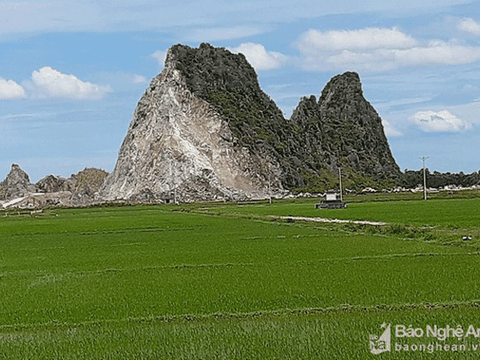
(180, 144)
(229, 83)
(208, 69)
(346, 130)
(88, 181)
(16, 184)
(347, 84)
(52, 183)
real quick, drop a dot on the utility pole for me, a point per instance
(172, 175)
(424, 178)
(269, 186)
(340, 178)
(174, 183)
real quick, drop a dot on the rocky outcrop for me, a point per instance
(88, 181)
(85, 182)
(52, 183)
(16, 184)
(78, 190)
(205, 130)
(342, 129)
(181, 147)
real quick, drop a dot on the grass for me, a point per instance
(441, 212)
(333, 334)
(215, 281)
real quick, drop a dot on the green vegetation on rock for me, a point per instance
(340, 130)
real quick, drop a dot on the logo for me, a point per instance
(428, 339)
(380, 344)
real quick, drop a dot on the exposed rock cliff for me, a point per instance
(204, 129)
(179, 145)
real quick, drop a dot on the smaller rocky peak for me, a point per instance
(347, 80)
(306, 110)
(88, 181)
(16, 184)
(342, 88)
(16, 176)
(52, 184)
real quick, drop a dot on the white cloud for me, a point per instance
(399, 102)
(469, 25)
(10, 90)
(139, 79)
(48, 82)
(160, 56)
(223, 33)
(377, 50)
(259, 57)
(438, 53)
(390, 130)
(37, 16)
(369, 38)
(442, 121)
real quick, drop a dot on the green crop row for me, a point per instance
(229, 281)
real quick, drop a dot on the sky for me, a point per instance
(72, 71)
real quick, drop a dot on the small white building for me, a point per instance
(332, 200)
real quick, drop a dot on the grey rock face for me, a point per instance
(179, 146)
(16, 184)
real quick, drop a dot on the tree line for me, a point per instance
(414, 178)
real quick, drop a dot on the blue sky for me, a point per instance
(72, 71)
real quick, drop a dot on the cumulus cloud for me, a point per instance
(390, 130)
(259, 57)
(10, 90)
(48, 82)
(438, 53)
(160, 56)
(374, 49)
(369, 38)
(470, 26)
(139, 79)
(442, 121)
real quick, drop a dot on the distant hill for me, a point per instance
(79, 189)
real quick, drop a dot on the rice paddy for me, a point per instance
(230, 281)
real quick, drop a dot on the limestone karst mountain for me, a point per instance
(180, 145)
(205, 130)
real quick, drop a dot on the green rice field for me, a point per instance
(241, 281)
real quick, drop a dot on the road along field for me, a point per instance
(223, 281)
